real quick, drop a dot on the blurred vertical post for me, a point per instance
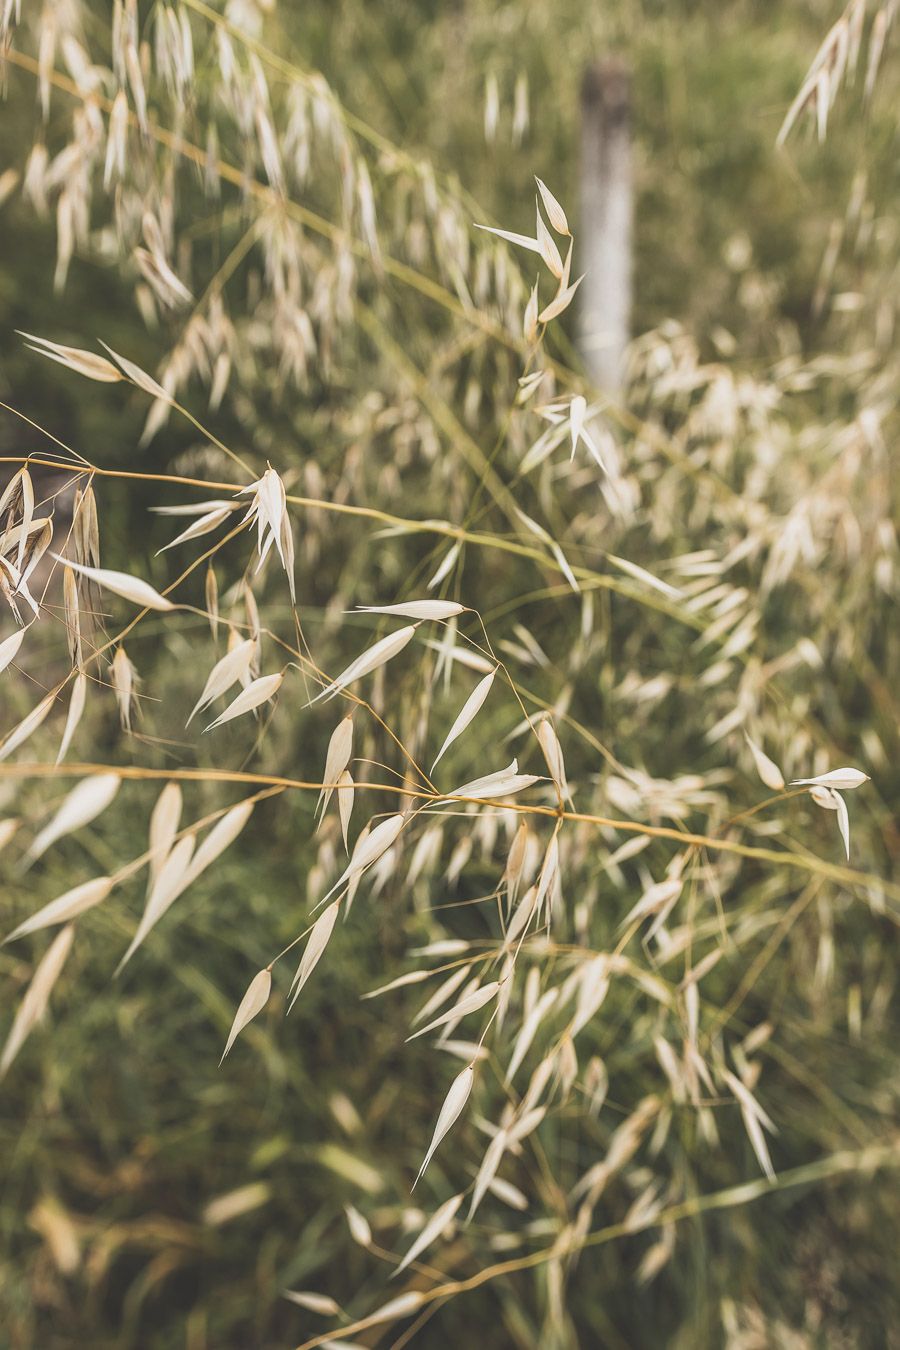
(606, 222)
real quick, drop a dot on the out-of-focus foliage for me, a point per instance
(751, 469)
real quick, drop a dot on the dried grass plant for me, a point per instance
(578, 704)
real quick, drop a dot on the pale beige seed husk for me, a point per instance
(553, 755)
(235, 1203)
(442, 993)
(313, 1302)
(28, 725)
(436, 1226)
(509, 1194)
(140, 377)
(492, 1159)
(471, 1003)
(523, 240)
(337, 758)
(577, 412)
(9, 648)
(555, 214)
(65, 907)
(211, 596)
(8, 829)
(168, 886)
(315, 946)
(843, 823)
(369, 848)
(120, 583)
(87, 800)
(369, 661)
(654, 899)
(345, 796)
(204, 525)
(502, 783)
(831, 800)
(515, 860)
(769, 772)
(561, 303)
(226, 672)
(286, 549)
(164, 820)
(411, 977)
(31, 536)
(524, 912)
(249, 699)
(842, 779)
(417, 609)
(11, 495)
(124, 678)
(401, 1306)
(253, 1002)
(467, 713)
(454, 1102)
(221, 836)
(359, 1227)
(87, 363)
(444, 567)
(529, 1029)
(641, 574)
(550, 253)
(27, 509)
(73, 717)
(34, 1004)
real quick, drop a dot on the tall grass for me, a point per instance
(480, 698)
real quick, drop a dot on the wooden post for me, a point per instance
(606, 222)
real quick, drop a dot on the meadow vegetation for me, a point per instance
(500, 775)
